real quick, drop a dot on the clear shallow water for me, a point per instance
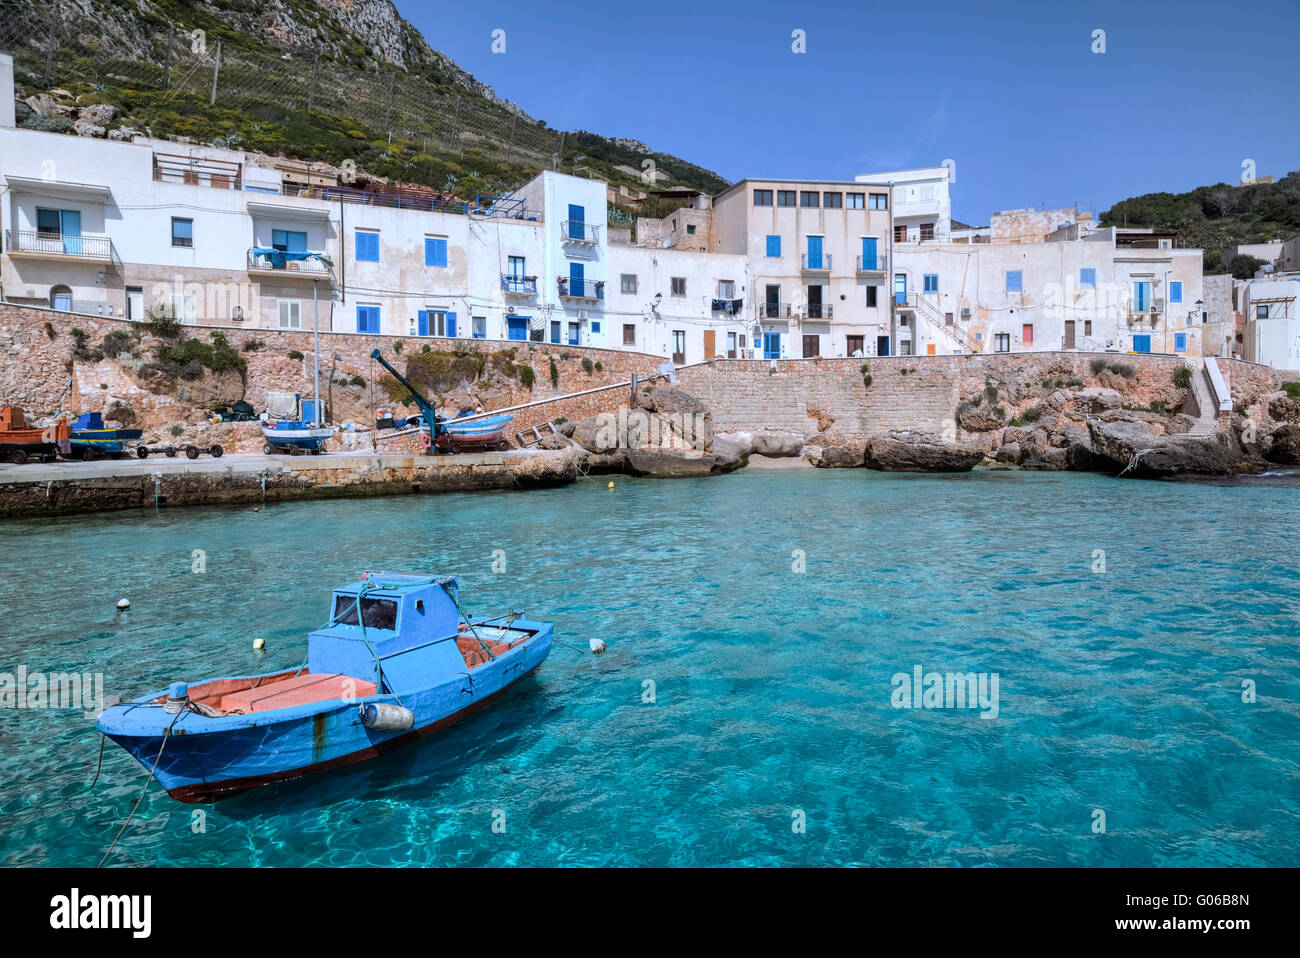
(1119, 691)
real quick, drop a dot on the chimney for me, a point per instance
(7, 91)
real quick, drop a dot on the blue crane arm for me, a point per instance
(426, 408)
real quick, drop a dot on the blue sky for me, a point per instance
(1010, 92)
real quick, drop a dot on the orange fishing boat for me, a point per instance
(18, 442)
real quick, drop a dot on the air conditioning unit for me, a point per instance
(582, 314)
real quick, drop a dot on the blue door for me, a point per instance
(1141, 295)
(70, 226)
(868, 252)
(576, 273)
(882, 345)
(577, 229)
(517, 327)
(900, 288)
(1141, 344)
(771, 345)
(814, 252)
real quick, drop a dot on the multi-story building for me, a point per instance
(922, 203)
(1272, 322)
(1075, 288)
(818, 264)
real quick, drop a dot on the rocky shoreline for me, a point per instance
(1074, 427)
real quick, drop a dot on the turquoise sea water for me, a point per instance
(1119, 691)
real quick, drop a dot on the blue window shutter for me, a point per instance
(367, 249)
(1013, 281)
(1088, 277)
(1180, 342)
(1175, 292)
(595, 327)
(422, 322)
(451, 325)
(869, 253)
(774, 246)
(367, 319)
(435, 251)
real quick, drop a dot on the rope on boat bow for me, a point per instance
(148, 779)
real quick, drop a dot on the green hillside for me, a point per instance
(329, 80)
(1218, 217)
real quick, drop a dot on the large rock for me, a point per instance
(1098, 398)
(917, 452)
(100, 113)
(1008, 452)
(732, 451)
(669, 399)
(981, 418)
(669, 463)
(84, 127)
(1286, 445)
(1137, 452)
(833, 451)
(595, 434)
(777, 444)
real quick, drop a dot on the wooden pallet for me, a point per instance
(531, 437)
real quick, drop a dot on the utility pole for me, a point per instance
(49, 49)
(388, 112)
(216, 71)
(167, 60)
(315, 69)
(889, 275)
(455, 129)
(315, 349)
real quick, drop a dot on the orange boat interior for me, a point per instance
(298, 687)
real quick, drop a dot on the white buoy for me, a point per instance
(259, 644)
(123, 605)
(597, 646)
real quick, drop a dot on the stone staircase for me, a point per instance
(1207, 420)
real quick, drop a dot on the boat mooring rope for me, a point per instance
(148, 779)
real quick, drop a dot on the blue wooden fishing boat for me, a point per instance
(396, 662)
(294, 436)
(90, 437)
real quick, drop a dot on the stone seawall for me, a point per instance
(38, 358)
(920, 393)
(68, 488)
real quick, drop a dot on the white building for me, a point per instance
(922, 203)
(1106, 290)
(1272, 326)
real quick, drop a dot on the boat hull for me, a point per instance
(204, 759)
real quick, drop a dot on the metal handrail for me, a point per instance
(90, 245)
(580, 231)
(881, 264)
(518, 284)
(820, 263)
(312, 264)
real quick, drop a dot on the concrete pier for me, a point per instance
(62, 488)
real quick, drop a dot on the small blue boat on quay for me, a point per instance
(395, 663)
(90, 437)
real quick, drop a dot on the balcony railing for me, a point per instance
(877, 264)
(774, 310)
(582, 288)
(816, 262)
(259, 258)
(576, 231)
(817, 311)
(85, 245)
(519, 285)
